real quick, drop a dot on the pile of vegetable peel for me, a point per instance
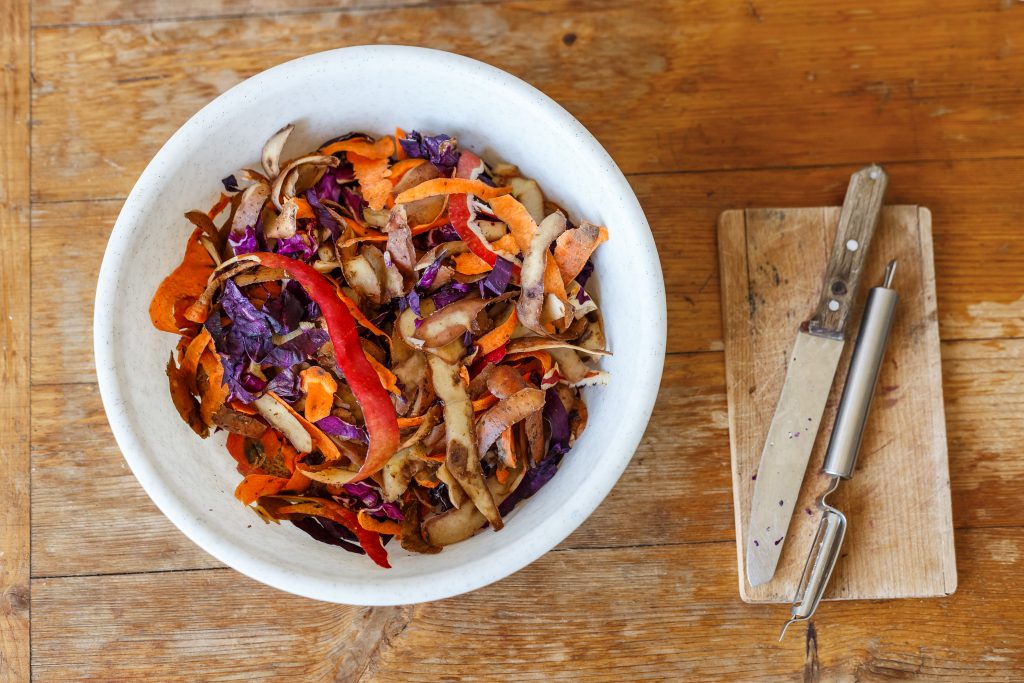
(393, 334)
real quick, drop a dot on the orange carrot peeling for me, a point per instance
(499, 335)
(319, 387)
(381, 149)
(372, 175)
(432, 188)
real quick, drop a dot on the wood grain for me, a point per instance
(979, 280)
(648, 614)
(63, 305)
(984, 388)
(703, 93)
(63, 12)
(90, 514)
(15, 475)
(899, 542)
(209, 625)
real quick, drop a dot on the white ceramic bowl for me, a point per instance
(491, 112)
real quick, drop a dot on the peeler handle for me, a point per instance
(861, 378)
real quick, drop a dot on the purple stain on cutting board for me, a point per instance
(779, 540)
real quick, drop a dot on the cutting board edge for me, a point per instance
(734, 220)
(924, 221)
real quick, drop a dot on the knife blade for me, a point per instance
(810, 371)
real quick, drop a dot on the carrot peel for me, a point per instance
(319, 387)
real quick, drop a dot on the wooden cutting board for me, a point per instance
(899, 542)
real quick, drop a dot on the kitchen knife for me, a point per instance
(811, 369)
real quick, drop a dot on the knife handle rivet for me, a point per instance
(833, 305)
(852, 245)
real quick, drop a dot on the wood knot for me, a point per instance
(16, 599)
(569, 38)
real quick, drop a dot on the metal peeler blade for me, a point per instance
(820, 562)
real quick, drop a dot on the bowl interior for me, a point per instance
(327, 94)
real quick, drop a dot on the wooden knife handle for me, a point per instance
(857, 221)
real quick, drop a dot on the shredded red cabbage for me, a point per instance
(241, 385)
(386, 509)
(286, 385)
(371, 500)
(252, 383)
(440, 150)
(363, 492)
(532, 482)
(329, 185)
(497, 281)
(323, 217)
(253, 326)
(286, 308)
(301, 246)
(297, 349)
(330, 532)
(353, 202)
(445, 233)
(335, 426)
(429, 275)
(411, 300)
(249, 338)
(558, 419)
(449, 294)
(311, 310)
(243, 242)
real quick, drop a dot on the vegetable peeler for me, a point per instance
(844, 445)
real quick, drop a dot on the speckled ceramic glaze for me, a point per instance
(492, 113)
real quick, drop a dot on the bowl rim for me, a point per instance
(479, 571)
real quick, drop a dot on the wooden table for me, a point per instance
(706, 106)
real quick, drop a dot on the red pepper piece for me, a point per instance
(369, 540)
(460, 216)
(493, 357)
(378, 411)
